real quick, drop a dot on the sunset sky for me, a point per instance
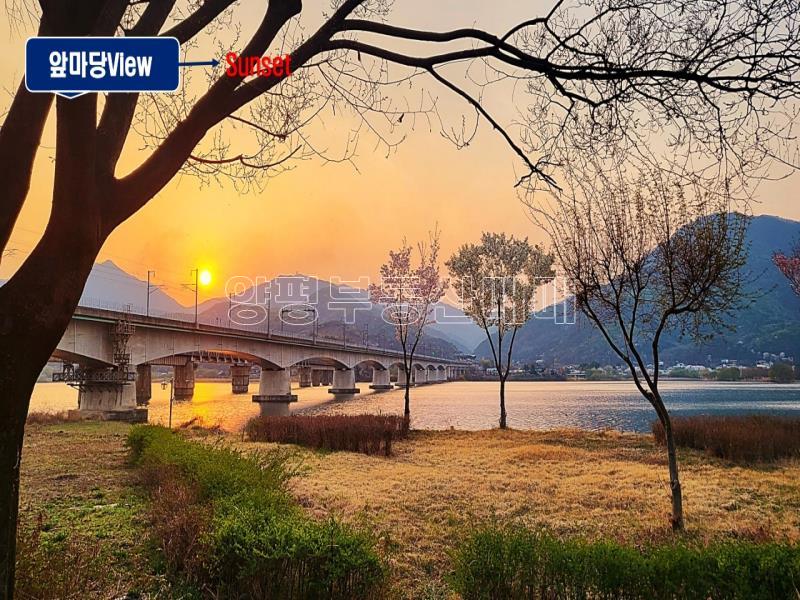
(324, 220)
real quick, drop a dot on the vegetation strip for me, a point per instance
(226, 524)
(368, 434)
(739, 438)
(514, 562)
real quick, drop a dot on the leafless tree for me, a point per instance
(710, 79)
(644, 256)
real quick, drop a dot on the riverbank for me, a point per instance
(418, 502)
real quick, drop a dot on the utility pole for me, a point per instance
(149, 291)
(230, 307)
(315, 325)
(194, 286)
(171, 396)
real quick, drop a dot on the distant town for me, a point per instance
(776, 368)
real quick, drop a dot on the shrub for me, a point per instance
(728, 374)
(741, 438)
(369, 434)
(521, 563)
(46, 418)
(54, 566)
(781, 373)
(249, 538)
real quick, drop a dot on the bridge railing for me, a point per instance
(289, 332)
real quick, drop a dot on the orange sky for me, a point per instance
(324, 220)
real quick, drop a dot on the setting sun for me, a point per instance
(205, 277)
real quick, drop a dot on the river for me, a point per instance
(474, 405)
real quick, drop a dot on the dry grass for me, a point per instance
(741, 438)
(75, 476)
(573, 482)
(368, 434)
(46, 418)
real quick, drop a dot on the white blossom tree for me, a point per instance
(496, 282)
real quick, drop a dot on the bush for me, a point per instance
(741, 438)
(369, 434)
(728, 374)
(520, 563)
(248, 537)
(46, 418)
(781, 373)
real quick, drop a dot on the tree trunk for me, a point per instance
(10, 455)
(502, 403)
(36, 304)
(654, 397)
(674, 480)
(17, 387)
(29, 332)
(33, 317)
(407, 408)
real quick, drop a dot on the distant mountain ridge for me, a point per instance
(770, 324)
(110, 286)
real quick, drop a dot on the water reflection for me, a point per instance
(473, 405)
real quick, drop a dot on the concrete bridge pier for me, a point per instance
(144, 384)
(316, 377)
(240, 379)
(305, 377)
(184, 381)
(344, 383)
(275, 393)
(420, 376)
(380, 379)
(402, 377)
(109, 402)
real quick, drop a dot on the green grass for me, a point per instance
(83, 524)
(246, 535)
(518, 563)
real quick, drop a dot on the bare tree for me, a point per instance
(644, 256)
(708, 79)
(409, 293)
(496, 282)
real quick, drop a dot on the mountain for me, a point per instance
(289, 304)
(771, 323)
(109, 286)
(453, 324)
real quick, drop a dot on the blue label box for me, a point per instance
(71, 66)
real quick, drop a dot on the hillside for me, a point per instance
(341, 311)
(109, 286)
(771, 323)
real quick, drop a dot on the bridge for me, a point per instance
(108, 356)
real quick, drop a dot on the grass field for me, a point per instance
(574, 483)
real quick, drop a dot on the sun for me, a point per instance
(205, 277)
